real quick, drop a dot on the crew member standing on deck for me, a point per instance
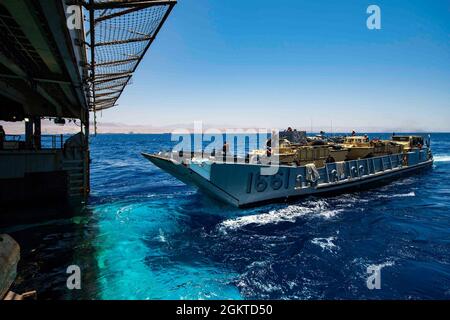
(2, 137)
(225, 150)
(269, 147)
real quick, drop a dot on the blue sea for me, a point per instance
(145, 235)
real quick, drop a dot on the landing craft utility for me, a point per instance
(305, 166)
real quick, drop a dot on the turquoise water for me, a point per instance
(145, 235)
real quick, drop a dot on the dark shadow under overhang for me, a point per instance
(41, 68)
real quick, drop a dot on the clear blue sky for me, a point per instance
(279, 63)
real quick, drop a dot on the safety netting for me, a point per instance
(123, 30)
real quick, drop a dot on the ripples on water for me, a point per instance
(146, 235)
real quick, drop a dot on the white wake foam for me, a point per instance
(443, 158)
(382, 265)
(161, 236)
(400, 195)
(290, 213)
(325, 243)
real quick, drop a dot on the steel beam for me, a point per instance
(101, 101)
(21, 12)
(110, 87)
(111, 79)
(111, 75)
(99, 95)
(92, 47)
(118, 14)
(16, 69)
(130, 3)
(46, 80)
(146, 38)
(116, 62)
(65, 39)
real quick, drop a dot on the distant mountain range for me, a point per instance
(112, 127)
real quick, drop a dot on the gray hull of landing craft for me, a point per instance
(242, 184)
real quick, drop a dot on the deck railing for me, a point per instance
(47, 141)
(354, 169)
(52, 141)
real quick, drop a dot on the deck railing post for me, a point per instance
(28, 133)
(37, 132)
(357, 168)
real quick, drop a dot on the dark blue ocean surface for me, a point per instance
(145, 235)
